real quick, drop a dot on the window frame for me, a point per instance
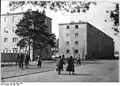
(67, 43)
(76, 51)
(67, 27)
(67, 51)
(5, 40)
(76, 34)
(6, 29)
(76, 42)
(76, 27)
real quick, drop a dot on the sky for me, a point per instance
(96, 16)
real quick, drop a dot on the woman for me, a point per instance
(60, 65)
(70, 67)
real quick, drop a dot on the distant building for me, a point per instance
(84, 39)
(9, 39)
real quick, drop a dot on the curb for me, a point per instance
(27, 74)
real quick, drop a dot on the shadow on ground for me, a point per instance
(76, 74)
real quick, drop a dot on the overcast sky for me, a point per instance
(96, 16)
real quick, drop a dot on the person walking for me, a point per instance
(60, 65)
(27, 59)
(39, 61)
(21, 60)
(70, 67)
(78, 60)
(17, 60)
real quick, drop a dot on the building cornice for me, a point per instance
(73, 23)
(20, 13)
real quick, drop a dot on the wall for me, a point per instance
(99, 45)
(8, 57)
(92, 43)
(71, 38)
(106, 46)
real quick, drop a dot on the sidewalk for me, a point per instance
(15, 71)
(10, 70)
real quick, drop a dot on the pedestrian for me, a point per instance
(60, 64)
(21, 60)
(70, 67)
(78, 60)
(63, 56)
(39, 61)
(27, 59)
(17, 60)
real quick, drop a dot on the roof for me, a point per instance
(20, 13)
(8, 14)
(73, 23)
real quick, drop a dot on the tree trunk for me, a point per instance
(29, 48)
(33, 50)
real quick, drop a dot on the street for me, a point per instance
(89, 71)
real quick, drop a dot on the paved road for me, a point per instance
(92, 71)
(9, 71)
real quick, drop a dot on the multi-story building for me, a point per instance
(8, 37)
(84, 39)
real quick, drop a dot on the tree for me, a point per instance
(114, 16)
(33, 30)
(67, 6)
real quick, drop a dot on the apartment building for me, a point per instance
(9, 39)
(82, 38)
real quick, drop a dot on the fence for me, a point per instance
(8, 57)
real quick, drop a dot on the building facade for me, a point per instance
(84, 40)
(8, 37)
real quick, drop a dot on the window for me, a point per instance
(3, 51)
(6, 50)
(76, 26)
(15, 50)
(15, 18)
(67, 42)
(13, 29)
(6, 30)
(5, 19)
(15, 39)
(67, 27)
(76, 34)
(67, 51)
(76, 42)
(76, 51)
(67, 34)
(5, 39)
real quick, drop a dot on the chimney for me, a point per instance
(72, 21)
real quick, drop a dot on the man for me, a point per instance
(39, 61)
(17, 60)
(21, 60)
(27, 60)
(78, 60)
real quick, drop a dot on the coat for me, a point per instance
(70, 66)
(39, 62)
(60, 65)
